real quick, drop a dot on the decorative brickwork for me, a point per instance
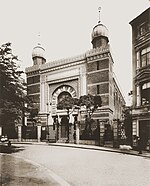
(103, 88)
(98, 65)
(33, 89)
(98, 77)
(34, 79)
(105, 100)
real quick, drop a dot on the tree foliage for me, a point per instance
(12, 87)
(68, 103)
(89, 101)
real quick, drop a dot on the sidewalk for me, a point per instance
(90, 147)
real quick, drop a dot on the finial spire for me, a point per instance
(99, 9)
(39, 38)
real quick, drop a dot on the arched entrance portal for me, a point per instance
(65, 131)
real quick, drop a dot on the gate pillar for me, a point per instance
(39, 133)
(115, 134)
(19, 132)
(39, 129)
(102, 130)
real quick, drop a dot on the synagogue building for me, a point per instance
(48, 82)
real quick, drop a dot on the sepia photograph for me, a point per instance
(75, 93)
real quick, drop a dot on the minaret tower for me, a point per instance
(38, 54)
(99, 34)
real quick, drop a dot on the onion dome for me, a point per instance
(38, 51)
(100, 30)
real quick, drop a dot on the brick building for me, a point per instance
(141, 76)
(88, 73)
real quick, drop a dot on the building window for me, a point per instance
(97, 65)
(145, 57)
(145, 94)
(143, 29)
(97, 89)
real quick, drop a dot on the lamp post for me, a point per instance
(47, 120)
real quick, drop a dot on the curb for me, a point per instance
(88, 147)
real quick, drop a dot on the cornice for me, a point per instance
(142, 40)
(90, 55)
(61, 62)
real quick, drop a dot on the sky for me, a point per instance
(65, 28)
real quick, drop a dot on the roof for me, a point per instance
(142, 14)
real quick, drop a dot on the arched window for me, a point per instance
(63, 95)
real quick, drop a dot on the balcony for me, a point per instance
(143, 110)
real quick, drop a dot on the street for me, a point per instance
(51, 165)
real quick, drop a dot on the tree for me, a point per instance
(68, 103)
(89, 101)
(13, 88)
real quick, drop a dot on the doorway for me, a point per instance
(144, 132)
(64, 127)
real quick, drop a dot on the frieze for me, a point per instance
(63, 80)
(98, 57)
(32, 73)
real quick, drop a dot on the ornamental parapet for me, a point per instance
(63, 62)
(32, 68)
(96, 51)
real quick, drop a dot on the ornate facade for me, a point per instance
(141, 76)
(89, 73)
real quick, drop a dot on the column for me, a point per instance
(39, 133)
(19, 133)
(138, 95)
(71, 128)
(59, 128)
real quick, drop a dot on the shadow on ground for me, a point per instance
(4, 148)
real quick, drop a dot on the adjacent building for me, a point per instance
(92, 73)
(141, 77)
